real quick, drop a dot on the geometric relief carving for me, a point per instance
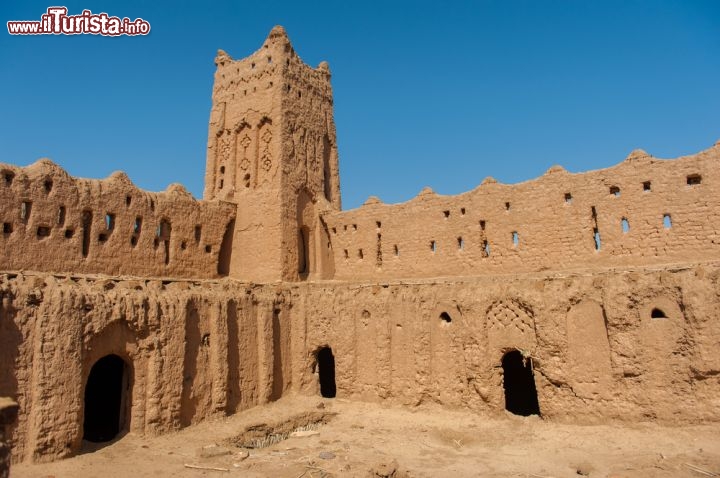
(265, 159)
(510, 325)
(224, 152)
(224, 147)
(244, 144)
(244, 154)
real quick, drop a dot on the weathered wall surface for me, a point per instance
(56, 223)
(597, 352)
(193, 349)
(197, 349)
(545, 224)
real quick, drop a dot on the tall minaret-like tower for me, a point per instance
(272, 150)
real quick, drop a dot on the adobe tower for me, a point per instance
(272, 151)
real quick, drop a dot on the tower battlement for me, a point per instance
(272, 150)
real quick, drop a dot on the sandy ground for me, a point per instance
(365, 439)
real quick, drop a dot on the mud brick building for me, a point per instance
(581, 297)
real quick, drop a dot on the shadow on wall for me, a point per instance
(234, 391)
(226, 250)
(10, 340)
(196, 363)
(280, 340)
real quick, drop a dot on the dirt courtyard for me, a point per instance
(339, 438)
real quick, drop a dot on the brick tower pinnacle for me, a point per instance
(272, 151)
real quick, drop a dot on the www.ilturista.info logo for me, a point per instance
(57, 22)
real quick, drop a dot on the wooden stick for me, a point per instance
(196, 467)
(700, 470)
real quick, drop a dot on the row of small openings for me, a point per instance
(299, 93)
(9, 176)
(446, 213)
(625, 224)
(691, 179)
(44, 231)
(625, 227)
(252, 65)
(433, 244)
(515, 237)
(353, 226)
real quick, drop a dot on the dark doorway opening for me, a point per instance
(326, 371)
(105, 399)
(225, 255)
(519, 384)
(303, 252)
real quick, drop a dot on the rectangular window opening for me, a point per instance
(596, 238)
(694, 179)
(61, 216)
(667, 221)
(25, 208)
(43, 232)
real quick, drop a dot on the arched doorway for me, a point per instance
(519, 384)
(106, 399)
(326, 372)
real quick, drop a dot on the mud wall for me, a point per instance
(192, 349)
(628, 345)
(643, 211)
(198, 349)
(56, 223)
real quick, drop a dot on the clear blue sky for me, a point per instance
(426, 93)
